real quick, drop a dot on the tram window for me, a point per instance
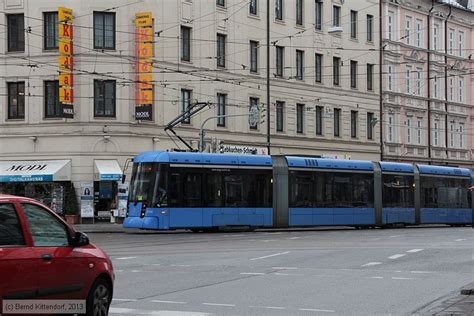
(438, 192)
(192, 189)
(301, 189)
(398, 191)
(174, 191)
(213, 189)
(233, 190)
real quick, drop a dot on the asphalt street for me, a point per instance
(306, 272)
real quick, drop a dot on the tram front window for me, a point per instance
(143, 175)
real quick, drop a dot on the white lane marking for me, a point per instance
(277, 273)
(117, 310)
(376, 277)
(400, 278)
(269, 256)
(317, 310)
(181, 265)
(125, 258)
(124, 300)
(277, 233)
(460, 239)
(129, 311)
(397, 256)
(168, 302)
(415, 250)
(394, 236)
(252, 273)
(294, 238)
(285, 268)
(371, 264)
(218, 304)
(136, 271)
(268, 307)
(422, 272)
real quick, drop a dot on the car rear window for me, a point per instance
(11, 233)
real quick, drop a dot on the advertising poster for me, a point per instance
(87, 200)
(122, 197)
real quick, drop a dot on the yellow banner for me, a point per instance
(65, 31)
(65, 47)
(65, 79)
(66, 95)
(145, 50)
(145, 97)
(65, 63)
(145, 65)
(65, 15)
(144, 19)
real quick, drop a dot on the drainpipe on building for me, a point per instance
(381, 49)
(446, 81)
(429, 80)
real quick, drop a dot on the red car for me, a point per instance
(42, 257)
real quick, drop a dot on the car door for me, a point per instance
(17, 265)
(61, 269)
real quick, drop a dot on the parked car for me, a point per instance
(42, 257)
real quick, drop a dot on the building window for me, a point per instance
(318, 14)
(16, 100)
(451, 135)
(299, 64)
(253, 56)
(419, 80)
(436, 36)
(461, 135)
(370, 126)
(318, 68)
(104, 30)
(279, 60)
(435, 86)
(451, 89)
(279, 9)
(185, 43)
(390, 78)
(299, 12)
(353, 74)
(220, 3)
(253, 7)
(419, 132)
(280, 106)
(370, 77)
(51, 99)
(104, 98)
(391, 25)
(451, 41)
(221, 101)
(461, 44)
(254, 105)
(185, 103)
(408, 25)
(408, 130)
(221, 43)
(353, 24)
(336, 64)
(370, 28)
(461, 90)
(419, 33)
(354, 123)
(391, 123)
(337, 122)
(51, 35)
(299, 118)
(319, 120)
(16, 32)
(336, 16)
(436, 134)
(408, 79)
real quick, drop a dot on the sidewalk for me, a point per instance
(459, 303)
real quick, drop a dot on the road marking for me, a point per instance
(294, 238)
(317, 310)
(252, 273)
(415, 250)
(376, 277)
(421, 272)
(156, 264)
(116, 310)
(125, 258)
(285, 268)
(136, 271)
(124, 300)
(400, 278)
(217, 304)
(269, 256)
(277, 273)
(129, 311)
(371, 264)
(268, 307)
(395, 236)
(460, 239)
(397, 256)
(181, 265)
(168, 302)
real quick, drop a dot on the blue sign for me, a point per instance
(30, 178)
(110, 177)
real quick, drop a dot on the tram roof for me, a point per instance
(203, 158)
(442, 170)
(323, 163)
(396, 167)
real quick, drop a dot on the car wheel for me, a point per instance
(99, 298)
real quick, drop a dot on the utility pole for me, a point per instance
(268, 77)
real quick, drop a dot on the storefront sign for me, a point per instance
(35, 171)
(144, 66)
(87, 200)
(242, 150)
(66, 90)
(107, 170)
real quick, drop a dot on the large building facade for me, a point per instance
(324, 85)
(428, 81)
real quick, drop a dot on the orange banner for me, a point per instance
(66, 61)
(144, 66)
(66, 95)
(65, 79)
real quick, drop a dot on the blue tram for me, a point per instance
(200, 191)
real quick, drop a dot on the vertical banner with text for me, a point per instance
(144, 66)
(66, 90)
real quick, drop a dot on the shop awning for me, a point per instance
(37, 170)
(107, 170)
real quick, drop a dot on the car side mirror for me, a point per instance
(80, 239)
